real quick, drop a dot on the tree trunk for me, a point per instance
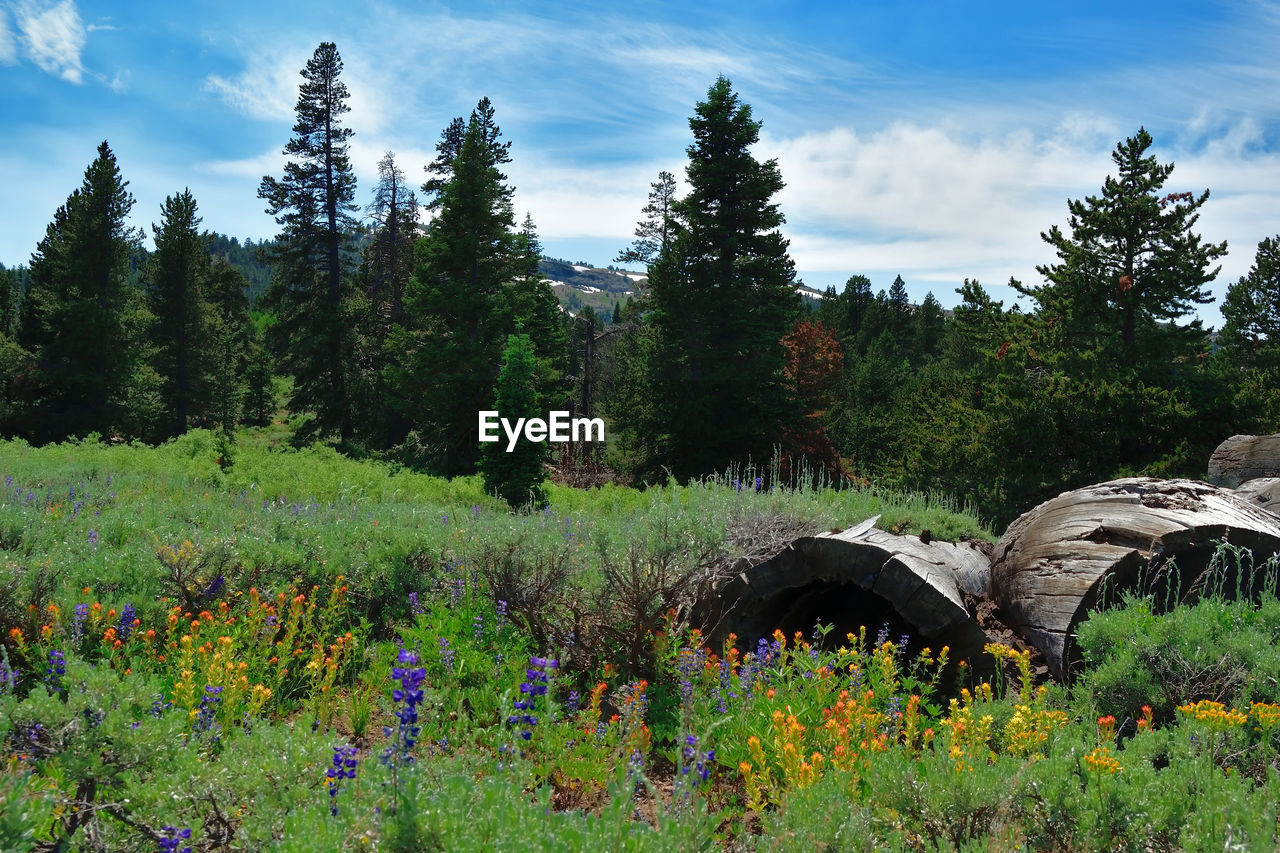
(860, 577)
(1244, 457)
(1073, 553)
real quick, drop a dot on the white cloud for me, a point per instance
(267, 89)
(8, 45)
(53, 37)
(938, 206)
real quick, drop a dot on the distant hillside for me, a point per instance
(244, 257)
(578, 285)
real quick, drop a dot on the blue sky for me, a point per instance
(936, 143)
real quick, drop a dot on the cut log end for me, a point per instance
(860, 578)
(1077, 552)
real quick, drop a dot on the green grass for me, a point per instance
(273, 600)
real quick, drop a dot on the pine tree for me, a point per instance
(174, 274)
(230, 344)
(723, 294)
(536, 312)
(1252, 310)
(380, 306)
(930, 324)
(1130, 269)
(313, 203)
(654, 232)
(453, 339)
(517, 477)
(82, 322)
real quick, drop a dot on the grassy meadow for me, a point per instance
(291, 650)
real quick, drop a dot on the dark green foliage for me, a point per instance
(516, 477)
(457, 323)
(722, 297)
(246, 257)
(536, 313)
(230, 345)
(1130, 269)
(1251, 338)
(378, 305)
(174, 276)
(83, 324)
(311, 261)
(654, 232)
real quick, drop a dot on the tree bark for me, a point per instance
(1242, 458)
(1072, 554)
(1262, 492)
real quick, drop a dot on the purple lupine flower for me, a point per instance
(93, 538)
(475, 510)
(343, 767)
(205, 721)
(447, 654)
(534, 685)
(457, 592)
(215, 587)
(759, 483)
(171, 837)
(127, 615)
(571, 703)
(410, 677)
(502, 615)
(882, 636)
(414, 606)
(477, 627)
(8, 675)
(57, 668)
(77, 623)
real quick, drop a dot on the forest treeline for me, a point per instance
(391, 333)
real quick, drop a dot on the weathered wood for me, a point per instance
(1055, 563)
(1242, 458)
(860, 577)
(1262, 492)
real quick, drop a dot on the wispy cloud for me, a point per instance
(8, 44)
(267, 88)
(53, 36)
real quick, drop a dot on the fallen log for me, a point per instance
(1262, 492)
(860, 577)
(1242, 458)
(1073, 553)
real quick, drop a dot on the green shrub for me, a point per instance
(1224, 651)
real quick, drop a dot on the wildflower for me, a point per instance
(343, 767)
(206, 719)
(447, 654)
(93, 538)
(57, 668)
(534, 685)
(171, 837)
(77, 623)
(410, 677)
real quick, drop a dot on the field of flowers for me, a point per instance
(301, 652)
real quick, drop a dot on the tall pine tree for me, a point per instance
(313, 203)
(723, 296)
(82, 321)
(457, 324)
(1130, 268)
(174, 274)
